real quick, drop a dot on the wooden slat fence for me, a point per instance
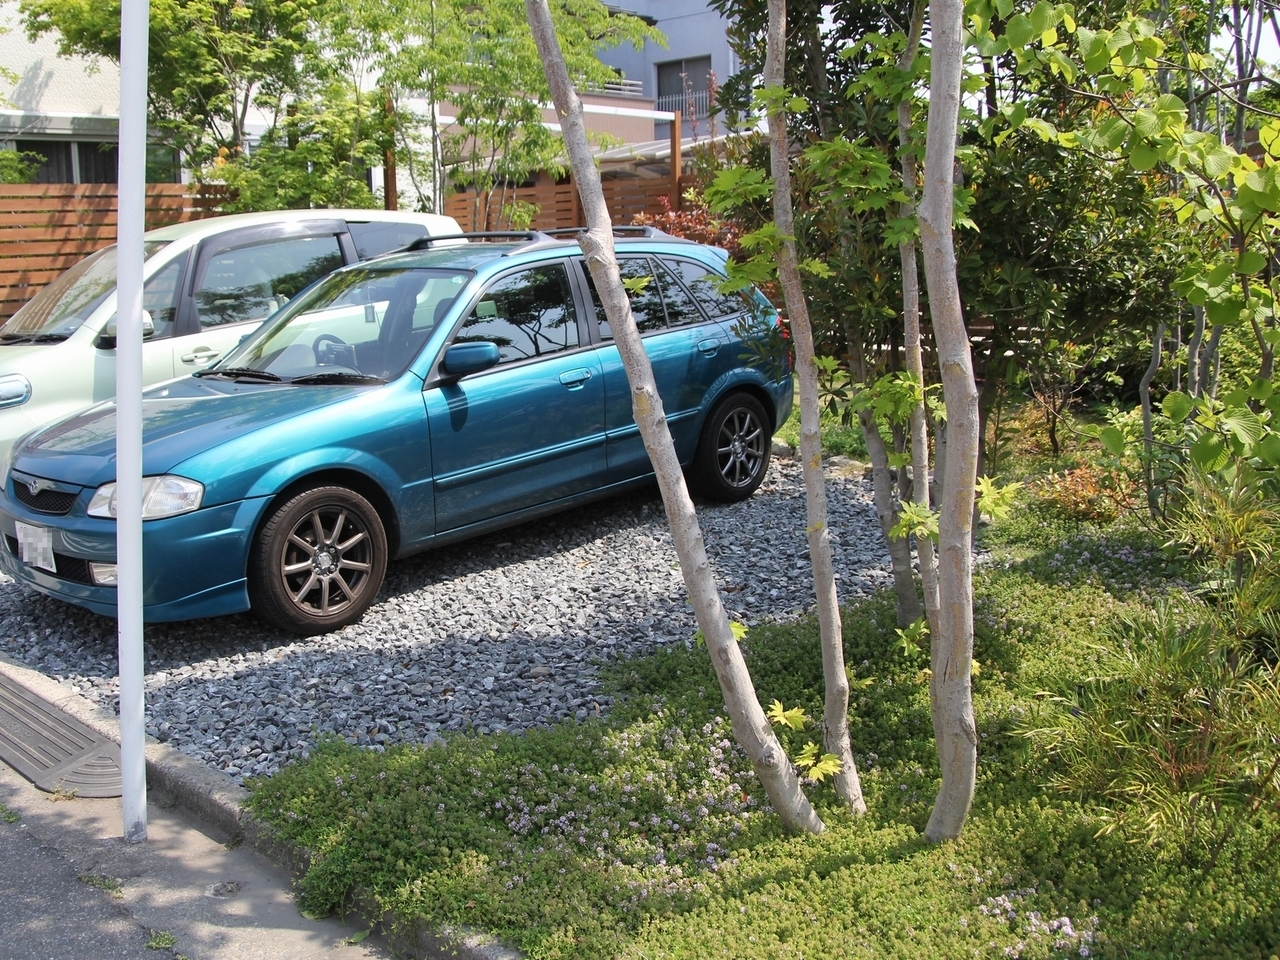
(47, 227)
(557, 205)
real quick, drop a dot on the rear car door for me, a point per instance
(688, 353)
(242, 277)
(529, 431)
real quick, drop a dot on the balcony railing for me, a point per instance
(618, 88)
(694, 104)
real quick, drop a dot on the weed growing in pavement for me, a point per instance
(644, 833)
(108, 885)
(161, 940)
(9, 816)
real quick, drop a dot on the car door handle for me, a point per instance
(574, 379)
(709, 346)
(200, 355)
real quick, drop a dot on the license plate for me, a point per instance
(35, 546)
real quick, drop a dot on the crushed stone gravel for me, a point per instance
(503, 632)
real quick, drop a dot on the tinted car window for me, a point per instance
(160, 298)
(681, 310)
(703, 282)
(251, 283)
(644, 292)
(379, 237)
(363, 321)
(528, 314)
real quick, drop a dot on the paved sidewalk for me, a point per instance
(59, 862)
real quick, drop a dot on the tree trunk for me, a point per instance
(919, 420)
(1148, 438)
(1209, 363)
(1193, 352)
(835, 714)
(904, 581)
(951, 696)
(750, 726)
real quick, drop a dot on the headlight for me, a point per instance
(15, 389)
(161, 497)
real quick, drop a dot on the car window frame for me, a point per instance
(188, 320)
(436, 376)
(722, 318)
(621, 254)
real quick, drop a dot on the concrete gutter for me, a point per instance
(218, 800)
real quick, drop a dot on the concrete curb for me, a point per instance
(218, 800)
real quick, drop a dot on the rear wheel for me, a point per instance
(318, 561)
(733, 451)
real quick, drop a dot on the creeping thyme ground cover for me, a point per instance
(643, 833)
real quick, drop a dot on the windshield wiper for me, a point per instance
(239, 373)
(337, 378)
(15, 338)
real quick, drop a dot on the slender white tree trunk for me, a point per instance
(907, 601)
(911, 325)
(750, 726)
(835, 714)
(951, 695)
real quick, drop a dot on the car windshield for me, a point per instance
(57, 311)
(356, 326)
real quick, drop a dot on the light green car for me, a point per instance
(208, 284)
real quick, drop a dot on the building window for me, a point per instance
(56, 167)
(684, 85)
(99, 162)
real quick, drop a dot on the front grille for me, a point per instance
(55, 502)
(74, 569)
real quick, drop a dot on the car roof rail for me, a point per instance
(621, 231)
(530, 238)
(533, 239)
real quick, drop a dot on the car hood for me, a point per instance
(180, 419)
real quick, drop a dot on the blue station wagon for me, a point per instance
(430, 395)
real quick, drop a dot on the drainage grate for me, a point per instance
(53, 750)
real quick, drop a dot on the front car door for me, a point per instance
(529, 431)
(243, 277)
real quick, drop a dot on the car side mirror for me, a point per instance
(464, 358)
(107, 339)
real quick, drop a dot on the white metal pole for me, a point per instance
(134, 26)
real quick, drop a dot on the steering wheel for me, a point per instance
(333, 357)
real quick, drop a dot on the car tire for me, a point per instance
(318, 562)
(734, 449)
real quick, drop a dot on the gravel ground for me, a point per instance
(502, 632)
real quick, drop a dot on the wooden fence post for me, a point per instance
(677, 161)
(390, 192)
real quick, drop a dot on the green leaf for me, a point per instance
(1269, 448)
(828, 765)
(1004, 8)
(1209, 453)
(1145, 122)
(779, 716)
(1177, 406)
(816, 267)
(1250, 261)
(1113, 439)
(1225, 311)
(359, 937)
(1260, 389)
(1243, 424)
(1143, 157)
(1019, 31)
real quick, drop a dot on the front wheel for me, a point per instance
(733, 451)
(318, 561)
